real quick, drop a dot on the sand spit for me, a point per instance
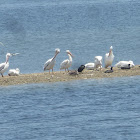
(62, 76)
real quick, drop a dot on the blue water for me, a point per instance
(76, 110)
(87, 109)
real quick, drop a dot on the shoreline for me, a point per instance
(61, 76)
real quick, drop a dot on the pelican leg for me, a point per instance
(1, 74)
(52, 71)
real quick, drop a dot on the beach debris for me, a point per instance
(73, 72)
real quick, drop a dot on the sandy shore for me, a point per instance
(62, 76)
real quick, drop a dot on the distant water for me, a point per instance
(86, 28)
(76, 110)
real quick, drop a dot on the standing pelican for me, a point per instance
(51, 62)
(109, 57)
(68, 62)
(4, 66)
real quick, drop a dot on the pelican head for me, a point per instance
(57, 50)
(17, 69)
(111, 48)
(68, 52)
(8, 55)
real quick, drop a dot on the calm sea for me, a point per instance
(77, 110)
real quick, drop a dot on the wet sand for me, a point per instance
(62, 76)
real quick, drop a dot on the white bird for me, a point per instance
(68, 62)
(51, 62)
(90, 66)
(97, 63)
(14, 72)
(125, 64)
(4, 66)
(109, 57)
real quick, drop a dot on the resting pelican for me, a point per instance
(4, 66)
(109, 57)
(14, 72)
(97, 63)
(51, 62)
(90, 66)
(66, 63)
(124, 64)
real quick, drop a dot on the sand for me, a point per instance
(45, 77)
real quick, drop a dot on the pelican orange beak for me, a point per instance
(14, 54)
(70, 54)
(110, 52)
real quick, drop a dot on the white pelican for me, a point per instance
(97, 63)
(4, 66)
(109, 57)
(125, 64)
(90, 66)
(68, 62)
(51, 62)
(14, 72)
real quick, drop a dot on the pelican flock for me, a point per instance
(51, 62)
(68, 62)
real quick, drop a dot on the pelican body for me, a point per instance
(14, 72)
(109, 57)
(51, 62)
(4, 66)
(97, 63)
(66, 64)
(125, 64)
(90, 66)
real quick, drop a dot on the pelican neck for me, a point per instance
(70, 58)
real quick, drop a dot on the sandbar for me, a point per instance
(60, 76)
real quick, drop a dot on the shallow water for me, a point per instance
(84, 109)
